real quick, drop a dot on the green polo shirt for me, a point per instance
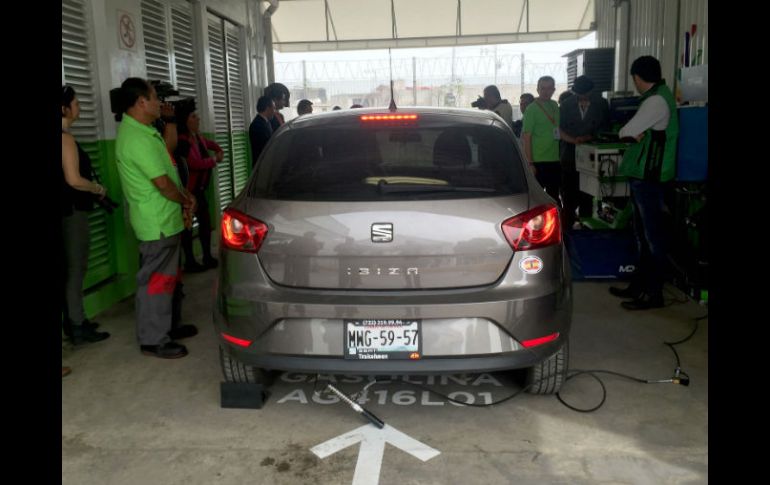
(142, 156)
(540, 126)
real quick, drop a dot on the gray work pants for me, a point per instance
(156, 282)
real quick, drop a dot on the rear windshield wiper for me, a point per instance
(385, 188)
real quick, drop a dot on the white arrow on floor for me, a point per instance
(372, 449)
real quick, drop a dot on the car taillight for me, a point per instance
(389, 117)
(536, 228)
(235, 340)
(540, 340)
(389, 120)
(242, 233)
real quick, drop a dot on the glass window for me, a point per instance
(380, 162)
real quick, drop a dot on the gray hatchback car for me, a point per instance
(408, 242)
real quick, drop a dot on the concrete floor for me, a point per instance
(131, 419)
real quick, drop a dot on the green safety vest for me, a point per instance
(654, 157)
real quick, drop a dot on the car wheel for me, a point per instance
(548, 376)
(236, 371)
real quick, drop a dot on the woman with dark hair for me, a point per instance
(193, 149)
(78, 194)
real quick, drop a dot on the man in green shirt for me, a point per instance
(540, 137)
(156, 201)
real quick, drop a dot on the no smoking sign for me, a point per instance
(126, 31)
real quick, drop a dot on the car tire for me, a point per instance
(548, 376)
(236, 371)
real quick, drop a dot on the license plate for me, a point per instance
(382, 339)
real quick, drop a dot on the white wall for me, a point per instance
(113, 64)
(696, 12)
(657, 28)
(249, 15)
(235, 10)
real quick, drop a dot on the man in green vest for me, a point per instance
(156, 200)
(649, 163)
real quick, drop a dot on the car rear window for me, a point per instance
(360, 162)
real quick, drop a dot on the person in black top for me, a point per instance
(524, 100)
(581, 118)
(79, 192)
(304, 107)
(280, 95)
(260, 130)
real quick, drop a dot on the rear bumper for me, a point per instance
(428, 365)
(286, 325)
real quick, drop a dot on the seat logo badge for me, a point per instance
(382, 232)
(531, 264)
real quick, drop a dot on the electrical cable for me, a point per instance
(675, 300)
(608, 171)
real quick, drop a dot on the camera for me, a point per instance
(164, 90)
(480, 103)
(167, 94)
(106, 203)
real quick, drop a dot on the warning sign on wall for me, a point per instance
(126, 31)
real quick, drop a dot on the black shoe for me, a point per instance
(83, 335)
(210, 263)
(644, 302)
(67, 326)
(169, 350)
(629, 292)
(183, 331)
(194, 267)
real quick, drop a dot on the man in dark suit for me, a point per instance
(581, 118)
(260, 130)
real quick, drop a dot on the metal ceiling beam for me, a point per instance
(416, 42)
(393, 25)
(521, 16)
(268, 29)
(459, 26)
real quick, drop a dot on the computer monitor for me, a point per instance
(622, 109)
